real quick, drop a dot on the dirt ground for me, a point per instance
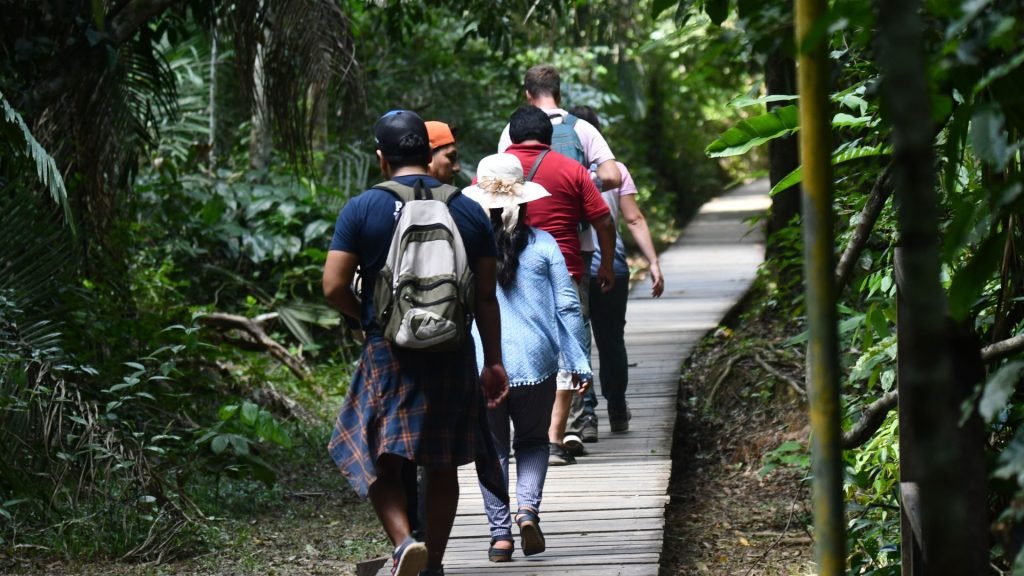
(725, 518)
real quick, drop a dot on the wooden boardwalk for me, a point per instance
(605, 514)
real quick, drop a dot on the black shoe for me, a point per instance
(586, 427)
(574, 444)
(558, 456)
(618, 420)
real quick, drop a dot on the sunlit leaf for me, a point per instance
(838, 157)
(660, 6)
(746, 101)
(755, 131)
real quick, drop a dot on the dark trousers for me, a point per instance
(608, 321)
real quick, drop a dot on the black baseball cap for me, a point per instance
(402, 135)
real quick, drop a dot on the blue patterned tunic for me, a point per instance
(541, 320)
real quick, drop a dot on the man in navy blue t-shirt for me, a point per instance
(409, 406)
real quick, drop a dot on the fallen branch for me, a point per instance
(778, 374)
(870, 421)
(880, 193)
(1002, 349)
(254, 337)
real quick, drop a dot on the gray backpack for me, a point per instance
(424, 293)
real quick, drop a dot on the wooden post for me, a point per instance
(911, 554)
(922, 550)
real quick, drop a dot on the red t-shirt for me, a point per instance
(574, 199)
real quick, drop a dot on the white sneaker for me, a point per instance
(574, 444)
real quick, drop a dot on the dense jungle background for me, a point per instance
(170, 172)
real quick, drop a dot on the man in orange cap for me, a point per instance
(444, 162)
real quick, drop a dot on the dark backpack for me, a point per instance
(565, 141)
(424, 293)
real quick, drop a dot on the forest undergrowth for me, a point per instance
(740, 502)
(310, 524)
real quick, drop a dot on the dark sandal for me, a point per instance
(500, 554)
(529, 532)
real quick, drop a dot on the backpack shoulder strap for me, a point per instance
(570, 121)
(536, 165)
(400, 191)
(444, 192)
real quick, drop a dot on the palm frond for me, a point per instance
(46, 167)
(35, 260)
(308, 53)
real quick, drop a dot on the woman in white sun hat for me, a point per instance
(541, 331)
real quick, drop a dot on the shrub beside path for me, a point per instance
(605, 515)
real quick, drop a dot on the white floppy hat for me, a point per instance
(500, 183)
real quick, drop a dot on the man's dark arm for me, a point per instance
(339, 270)
(488, 322)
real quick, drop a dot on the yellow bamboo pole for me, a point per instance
(823, 348)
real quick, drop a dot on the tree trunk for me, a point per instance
(783, 153)
(212, 140)
(260, 143)
(928, 400)
(318, 102)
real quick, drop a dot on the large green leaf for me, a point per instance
(745, 101)
(755, 131)
(717, 10)
(999, 71)
(999, 389)
(970, 280)
(840, 156)
(660, 6)
(989, 138)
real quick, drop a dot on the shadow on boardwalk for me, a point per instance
(606, 514)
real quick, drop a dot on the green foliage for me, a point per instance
(15, 134)
(846, 152)
(872, 493)
(791, 454)
(975, 53)
(231, 441)
(755, 131)
(998, 390)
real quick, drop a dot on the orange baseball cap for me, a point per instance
(439, 134)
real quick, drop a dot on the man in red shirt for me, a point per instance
(574, 198)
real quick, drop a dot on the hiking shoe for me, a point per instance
(618, 420)
(409, 558)
(586, 427)
(429, 572)
(559, 456)
(574, 444)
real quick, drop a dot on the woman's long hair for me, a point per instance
(510, 244)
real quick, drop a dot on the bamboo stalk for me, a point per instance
(819, 267)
